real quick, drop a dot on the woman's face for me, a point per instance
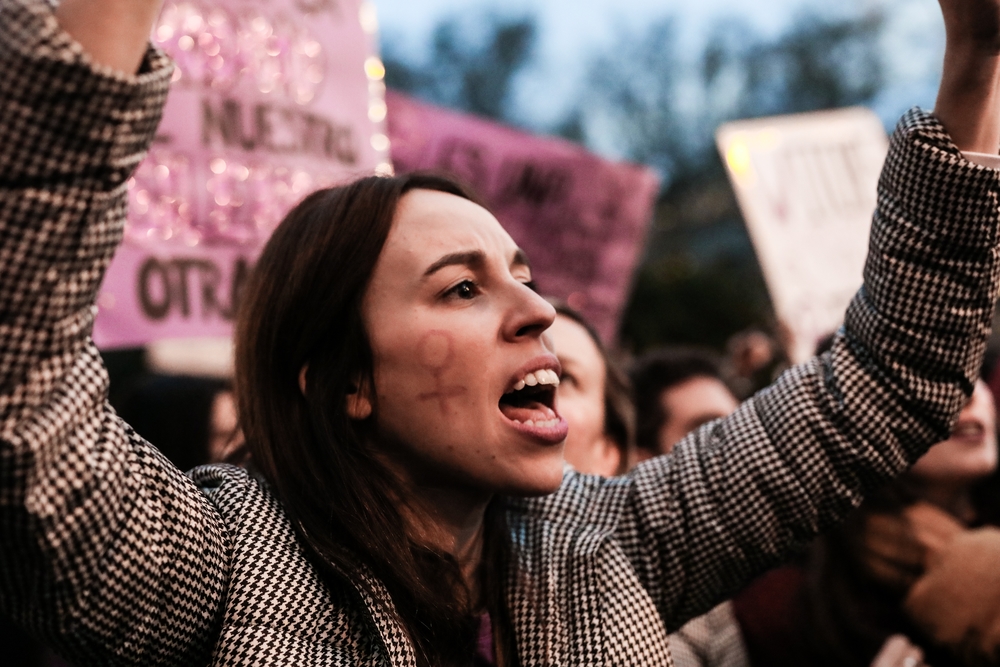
(580, 399)
(464, 379)
(971, 451)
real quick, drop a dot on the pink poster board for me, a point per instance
(581, 219)
(271, 99)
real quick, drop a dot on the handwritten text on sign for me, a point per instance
(271, 99)
(807, 188)
(580, 218)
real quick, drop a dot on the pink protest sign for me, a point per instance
(271, 99)
(580, 218)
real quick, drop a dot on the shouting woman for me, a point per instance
(396, 393)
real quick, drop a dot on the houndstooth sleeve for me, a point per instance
(737, 494)
(106, 551)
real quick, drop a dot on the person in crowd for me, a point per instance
(593, 397)
(190, 419)
(395, 389)
(676, 390)
(753, 359)
(848, 597)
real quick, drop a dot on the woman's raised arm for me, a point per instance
(107, 552)
(968, 103)
(736, 495)
(114, 33)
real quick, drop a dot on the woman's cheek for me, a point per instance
(443, 380)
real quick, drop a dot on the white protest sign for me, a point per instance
(806, 184)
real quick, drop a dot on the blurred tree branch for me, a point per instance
(647, 100)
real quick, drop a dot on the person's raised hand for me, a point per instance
(890, 551)
(114, 33)
(968, 103)
(932, 527)
(973, 22)
(957, 601)
(896, 547)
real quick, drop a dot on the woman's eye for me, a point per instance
(464, 290)
(530, 284)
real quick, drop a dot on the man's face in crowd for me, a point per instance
(690, 404)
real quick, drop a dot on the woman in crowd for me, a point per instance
(396, 392)
(593, 397)
(845, 603)
(676, 390)
(848, 598)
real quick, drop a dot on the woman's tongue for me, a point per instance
(529, 411)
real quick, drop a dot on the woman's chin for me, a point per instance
(543, 479)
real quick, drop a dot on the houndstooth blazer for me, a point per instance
(116, 558)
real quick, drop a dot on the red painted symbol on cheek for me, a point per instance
(436, 354)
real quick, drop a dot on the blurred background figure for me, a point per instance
(593, 397)
(849, 594)
(676, 390)
(191, 419)
(754, 359)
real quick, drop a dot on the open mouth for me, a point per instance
(531, 400)
(969, 431)
(529, 406)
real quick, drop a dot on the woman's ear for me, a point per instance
(359, 404)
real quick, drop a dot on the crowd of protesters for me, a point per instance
(879, 589)
(851, 598)
(434, 465)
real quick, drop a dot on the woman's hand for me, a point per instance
(897, 547)
(968, 103)
(957, 602)
(113, 32)
(898, 651)
(890, 552)
(932, 527)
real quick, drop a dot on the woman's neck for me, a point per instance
(445, 517)
(449, 522)
(442, 523)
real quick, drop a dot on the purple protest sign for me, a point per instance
(271, 100)
(580, 218)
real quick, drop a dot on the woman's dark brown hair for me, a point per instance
(302, 309)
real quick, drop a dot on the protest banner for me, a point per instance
(270, 100)
(806, 184)
(581, 219)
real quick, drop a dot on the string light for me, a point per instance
(380, 142)
(368, 17)
(374, 68)
(218, 48)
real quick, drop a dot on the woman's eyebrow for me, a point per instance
(474, 259)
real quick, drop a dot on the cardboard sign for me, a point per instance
(807, 187)
(581, 219)
(271, 99)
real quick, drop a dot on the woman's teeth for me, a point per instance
(550, 423)
(550, 419)
(541, 376)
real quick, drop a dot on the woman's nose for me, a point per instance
(529, 314)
